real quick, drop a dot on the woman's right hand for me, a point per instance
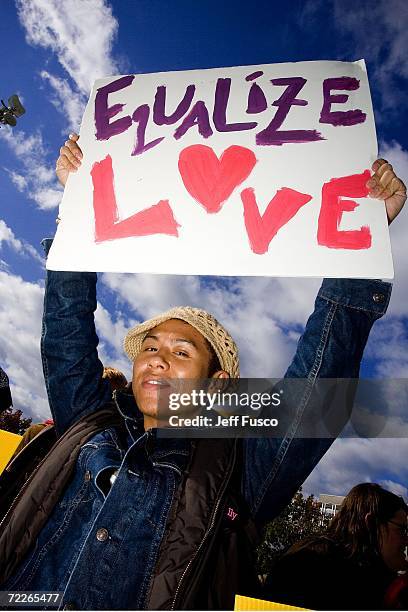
(69, 159)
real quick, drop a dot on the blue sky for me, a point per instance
(54, 52)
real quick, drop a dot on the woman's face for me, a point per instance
(394, 540)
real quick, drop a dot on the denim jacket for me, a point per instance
(101, 543)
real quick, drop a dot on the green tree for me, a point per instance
(13, 421)
(300, 519)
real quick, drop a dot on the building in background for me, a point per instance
(330, 504)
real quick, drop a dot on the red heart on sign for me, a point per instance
(211, 180)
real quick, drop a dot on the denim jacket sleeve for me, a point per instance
(331, 346)
(72, 369)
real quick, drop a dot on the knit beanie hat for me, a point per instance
(208, 326)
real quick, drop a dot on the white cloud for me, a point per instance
(395, 487)
(6, 235)
(20, 330)
(48, 197)
(111, 334)
(351, 461)
(375, 31)
(79, 32)
(388, 346)
(17, 179)
(379, 30)
(66, 99)
(4, 265)
(37, 179)
(20, 246)
(81, 35)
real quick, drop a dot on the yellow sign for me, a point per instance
(249, 603)
(8, 444)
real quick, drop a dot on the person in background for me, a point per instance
(352, 566)
(31, 433)
(116, 378)
(5, 393)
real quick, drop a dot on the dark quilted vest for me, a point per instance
(207, 553)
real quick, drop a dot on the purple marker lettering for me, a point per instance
(159, 107)
(256, 100)
(271, 135)
(141, 116)
(351, 117)
(197, 116)
(103, 112)
(222, 92)
(254, 75)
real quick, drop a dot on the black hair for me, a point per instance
(214, 364)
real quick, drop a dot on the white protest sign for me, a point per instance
(250, 170)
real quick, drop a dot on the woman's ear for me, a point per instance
(369, 520)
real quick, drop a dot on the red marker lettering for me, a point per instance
(157, 219)
(331, 212)
(262, 228)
